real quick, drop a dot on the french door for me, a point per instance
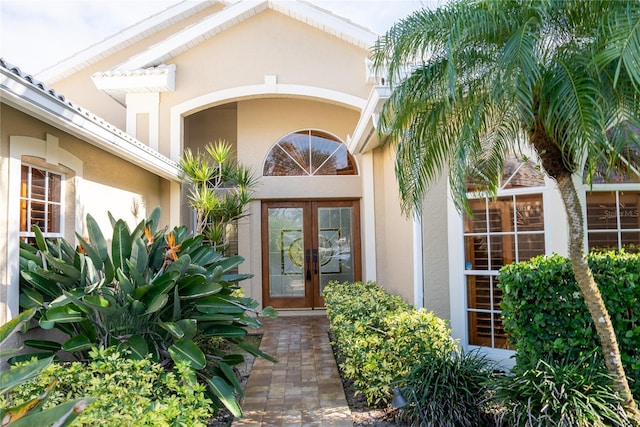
(306, 244)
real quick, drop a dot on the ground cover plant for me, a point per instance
(124, 391)
(451, 390)
(155, 292)
(379, 336)
(574, 391)
(32, 411)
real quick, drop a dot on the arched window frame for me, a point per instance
(299, 163)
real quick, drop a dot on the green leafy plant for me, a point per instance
(379, 336)
(545, 315)
(127, 391)
(451, 389)
(576, 391)
(220, 189)
(32, 411)
(154, 292)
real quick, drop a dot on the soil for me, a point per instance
(363, 415)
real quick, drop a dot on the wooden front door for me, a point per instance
(306, 244)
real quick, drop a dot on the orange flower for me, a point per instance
(81, 248)
(148, 235)
(173, 248)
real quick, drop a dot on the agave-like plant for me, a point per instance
(154, 292)
(30, 414)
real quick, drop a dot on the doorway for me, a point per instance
(305, 245)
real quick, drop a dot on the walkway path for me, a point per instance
(304, 387)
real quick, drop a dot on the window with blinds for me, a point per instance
(508, 229)
(612, 220)
(612, 203)
(40, 202)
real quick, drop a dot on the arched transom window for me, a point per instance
(309, 153)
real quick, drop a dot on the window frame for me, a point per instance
(492, 273)
(607, 188)
(29, 234)
(310, 133)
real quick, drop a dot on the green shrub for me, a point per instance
(545, 314)
(573, 392)
(380, 337)
(31, 413)
(153, 291)
(452, 390)
(127, 392)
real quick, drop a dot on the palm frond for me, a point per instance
(571, 110)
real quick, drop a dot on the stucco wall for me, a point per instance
(435, 246)
(267, 44)
(394, 231)
(80, 89)
(97, 182)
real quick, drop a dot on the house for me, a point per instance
(289, 86)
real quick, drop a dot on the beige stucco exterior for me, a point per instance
(96, 182)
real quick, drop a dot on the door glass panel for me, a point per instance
(286, 253)
(335, 245)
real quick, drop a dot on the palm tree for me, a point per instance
(474, 79)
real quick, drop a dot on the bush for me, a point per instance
(380, 337)
(573, 392)
(452, 390)
(545, 314)
(126, 391)
(153, 291)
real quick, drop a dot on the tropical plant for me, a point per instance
(131, 392)
(30, 412)
(154, 292)
(572, 392)
(220, 189)
(451, 389)
(474, 80)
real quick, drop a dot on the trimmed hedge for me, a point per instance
(545, 314)
(380, 337)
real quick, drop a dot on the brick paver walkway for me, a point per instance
(304, 387)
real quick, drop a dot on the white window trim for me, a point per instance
(555, 238)
(605, 187)
(63, 179)
(51, 153)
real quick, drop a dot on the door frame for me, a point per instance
(313, 299)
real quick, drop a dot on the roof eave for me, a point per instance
(81, 123)
(366, 133)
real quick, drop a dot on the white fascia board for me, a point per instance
(326, 21)
(363, 138)
(122, 39)
(83, 125)
(193, 35)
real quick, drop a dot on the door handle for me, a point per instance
(307, 258)
(315, 261)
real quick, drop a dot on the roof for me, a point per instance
(29, 95)
(233, 13)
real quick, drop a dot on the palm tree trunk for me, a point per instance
(592, 296)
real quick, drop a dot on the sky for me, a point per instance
(36, 34)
